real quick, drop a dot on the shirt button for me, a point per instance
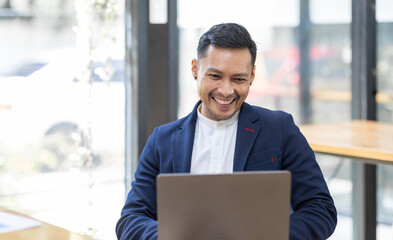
(218, 143)
(219, 124)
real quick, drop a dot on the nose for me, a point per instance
(226, 88)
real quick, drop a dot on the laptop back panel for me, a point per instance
(246, 205)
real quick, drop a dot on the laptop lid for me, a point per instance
(242, 205)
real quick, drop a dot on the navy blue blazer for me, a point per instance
(262, 135)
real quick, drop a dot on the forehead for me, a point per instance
(232, 58)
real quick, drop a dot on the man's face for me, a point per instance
(224, 76)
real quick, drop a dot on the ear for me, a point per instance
(253, 74)
(194, 68)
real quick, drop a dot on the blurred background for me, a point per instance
(62, 112)
(63, 97)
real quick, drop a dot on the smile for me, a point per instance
(223, 102)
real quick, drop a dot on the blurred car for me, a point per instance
(46, 114)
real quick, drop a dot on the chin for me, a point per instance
(221, 117)
(218, 114)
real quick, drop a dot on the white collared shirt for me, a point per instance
(214, 145)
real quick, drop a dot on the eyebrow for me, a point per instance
(235, 75)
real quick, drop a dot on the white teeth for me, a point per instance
(223, 101)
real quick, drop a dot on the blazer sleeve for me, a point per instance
(139, 217)
(314, 214)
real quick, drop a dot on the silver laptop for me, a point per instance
(246, 205)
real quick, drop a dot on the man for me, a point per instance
(224, 134)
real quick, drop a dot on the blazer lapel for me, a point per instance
(182, 143)
(246, 136)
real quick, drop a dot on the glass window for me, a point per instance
(384, 60)
(321, 12)
(62, 112)
(330, 91)
(330, 55)
(384, 100)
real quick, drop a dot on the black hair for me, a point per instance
(227, 35)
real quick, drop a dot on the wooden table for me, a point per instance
(43, 232)
(366, 140)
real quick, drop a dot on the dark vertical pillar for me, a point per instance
(173, 60)
(364, 107)
(151, 76)
(157, 70)
(363, 59)
(7, 4)
(304, 57)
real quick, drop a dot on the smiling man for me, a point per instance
(223, 134)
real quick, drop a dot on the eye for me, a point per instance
(240, 80)
(214, 76)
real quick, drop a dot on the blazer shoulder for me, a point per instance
(187, 122)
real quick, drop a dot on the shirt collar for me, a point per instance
(201, 118)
